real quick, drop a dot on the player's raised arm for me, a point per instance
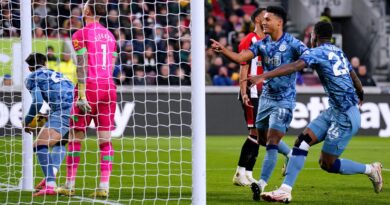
(243, 56)
(280, 71)
(358, 86)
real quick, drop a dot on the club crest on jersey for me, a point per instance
(282, 48)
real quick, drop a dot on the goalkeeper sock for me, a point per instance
(57, 156)
(269, 162)
(72, 163)
(106, 158)
(283, 148)
(46, 163)
(247, 151)
(294, 166)
(350, 167)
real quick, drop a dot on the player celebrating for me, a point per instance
(95, 96)
(336, 125)
(55, 89)
(250, 98)
(278, 97)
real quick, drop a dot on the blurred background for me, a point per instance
(154, 38)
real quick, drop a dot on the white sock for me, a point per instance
(286, 188)
(51, 184)
(104, 185)
(69, 184)
(248, 174)
(368, 169)
(262, 184)
(241, 170)
(55, 170)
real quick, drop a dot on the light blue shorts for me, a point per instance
(271, 116)
(336, 129)
(59, 120)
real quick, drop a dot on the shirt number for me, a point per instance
(104, 49)
(340, 63)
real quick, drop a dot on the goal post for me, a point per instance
(198, 104)
(27, 179)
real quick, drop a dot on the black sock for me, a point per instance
(249, 152)
(254, 152)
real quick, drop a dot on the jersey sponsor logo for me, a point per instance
(275, 61)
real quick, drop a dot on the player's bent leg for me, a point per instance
(46, 138)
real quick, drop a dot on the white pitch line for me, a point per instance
(10, 187)
(96, 200)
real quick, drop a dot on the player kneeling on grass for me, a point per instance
(336, 125)
(56, 90)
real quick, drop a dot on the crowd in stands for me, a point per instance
(153, 37)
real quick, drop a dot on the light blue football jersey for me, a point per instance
(274, 54)
(54, 87)
(333, 70)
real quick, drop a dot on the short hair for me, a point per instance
(256, 13)
(278, 11)
(98, 7)
(323, 30)
(36, 60)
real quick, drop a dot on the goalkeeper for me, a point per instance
(52, 87)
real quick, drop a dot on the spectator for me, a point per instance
(355, 63)
(222, 79)
(52, 60)
(364, 77)
(7, 80)
(73, 24)
(326, 15)
(214, 68)
(163, 77)
(139, 77)
(180, 78)
(67, 67)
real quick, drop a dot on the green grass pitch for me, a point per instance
(158, 171)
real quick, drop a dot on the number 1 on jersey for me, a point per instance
(104, 48)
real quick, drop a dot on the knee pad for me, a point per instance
(303, 142)
(335, 168)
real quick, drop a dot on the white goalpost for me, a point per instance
(159, 137)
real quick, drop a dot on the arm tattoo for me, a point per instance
(82, 62)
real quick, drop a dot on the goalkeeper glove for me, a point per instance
(82, 102)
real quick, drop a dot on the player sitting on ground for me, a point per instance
(95, 96)
(336, 125)
(56, 90)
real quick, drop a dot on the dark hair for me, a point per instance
(98, 7)
(36, 60)
(278, 11)
(323, 30)
(256, 13)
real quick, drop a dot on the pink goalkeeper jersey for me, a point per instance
(100, 45)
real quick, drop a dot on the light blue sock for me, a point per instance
(350, 167)
(269, 162)
(283, 148)
(295, 165)
(58, 154)
(45, 162)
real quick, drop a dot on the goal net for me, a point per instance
(153, 120)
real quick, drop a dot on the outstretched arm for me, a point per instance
(243, 56)
(280, 71)
(358, 86)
